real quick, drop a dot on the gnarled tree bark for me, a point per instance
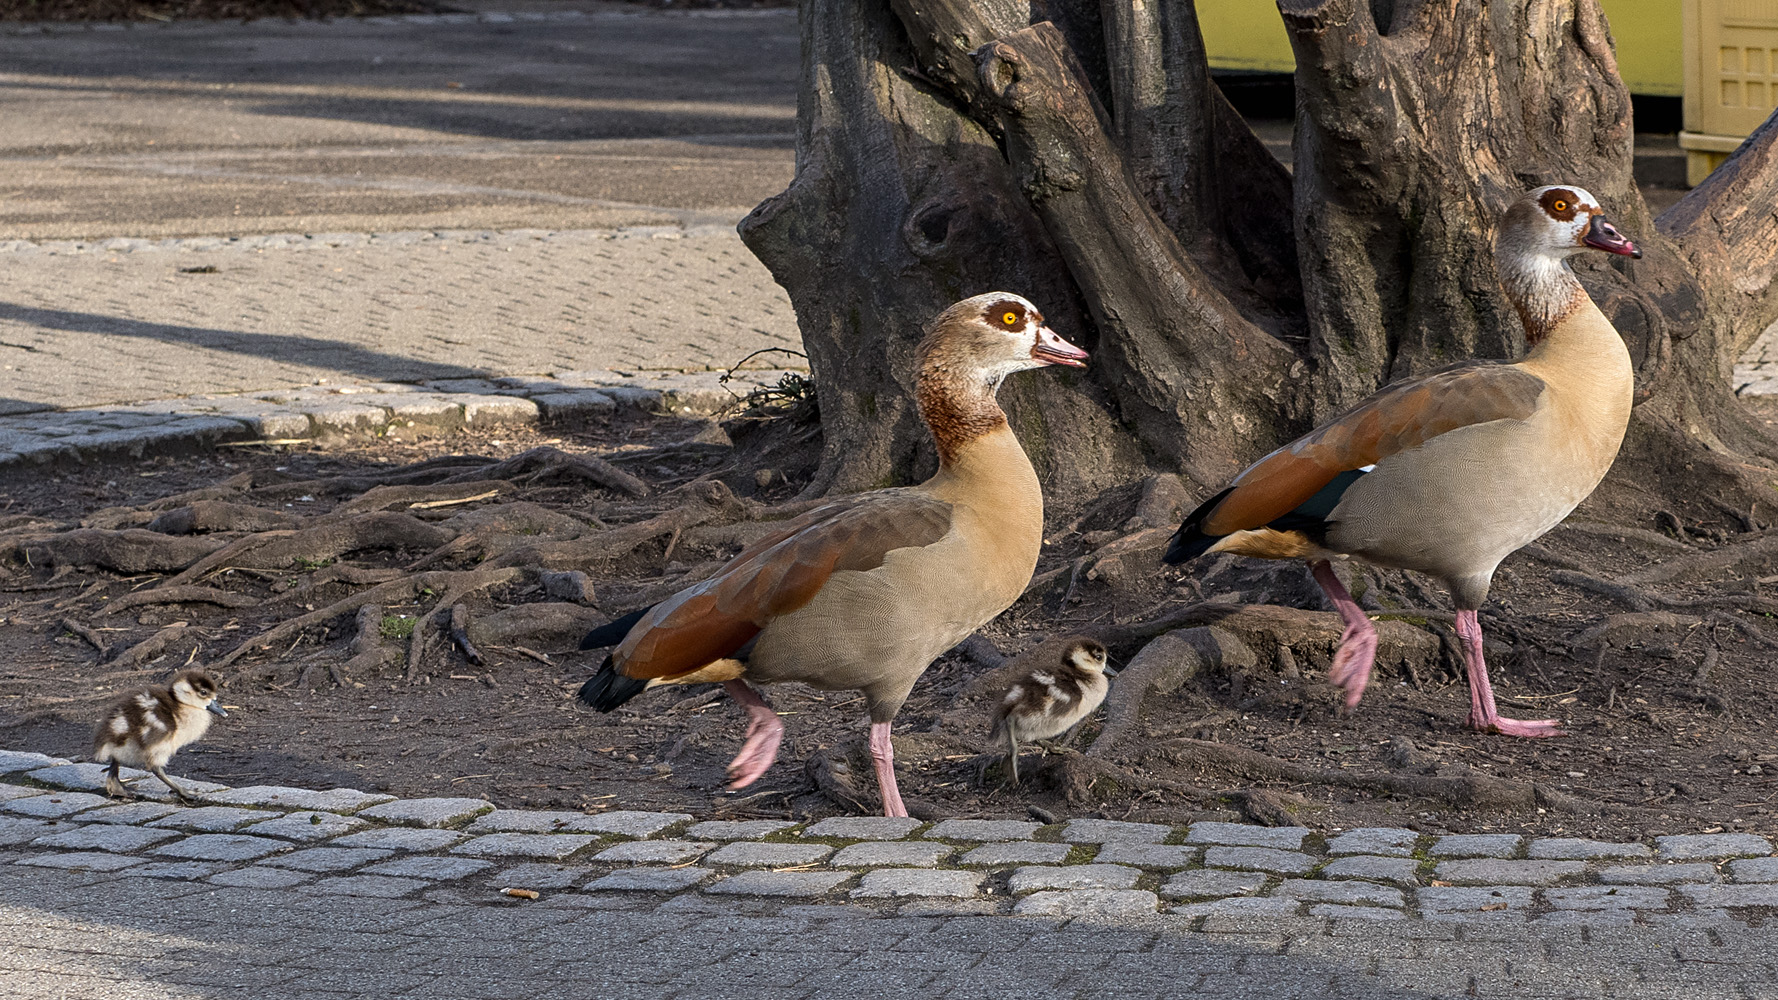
(1081, 155)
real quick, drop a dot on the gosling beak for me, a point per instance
(1602, 235)
(216, 706)
(1053, 350)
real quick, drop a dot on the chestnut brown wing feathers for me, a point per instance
(1402, 416)
(774, 576)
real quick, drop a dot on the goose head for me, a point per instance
(988, 337)
(1557, 221)
(197, 689)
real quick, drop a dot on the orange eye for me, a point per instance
(1010, 319)
(1559, 205)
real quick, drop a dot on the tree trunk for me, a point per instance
(1080, 154)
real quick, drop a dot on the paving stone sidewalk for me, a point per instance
(380, 333)
(344, 893)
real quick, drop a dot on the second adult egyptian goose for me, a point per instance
(1449, 472)
(863, 593)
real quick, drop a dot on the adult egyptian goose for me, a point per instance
(1051, 698)
(863, 593)
(1449, 472)
(146, 727)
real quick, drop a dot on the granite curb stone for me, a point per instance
(98, 861)
(1568, 848)
(328, 859)
(1712, 845)
(895, 853)
(1493, 871)
(55, 805)
(1146, 855)
(1375, 840)
(402, 839)
(1344, 892)
(737, 829)
(1477, 845)
(1260, 859)
(214, 819)
(758, 883)
(428, 868)
(306, 826)
(865, 827)
(660, 852)
(767, 855)
(628, 822)
(334, 800)
(524, 845)
(1091, 876)
(222, 847)
(1658, 874)
(657, 880)
(434, 812)
(1399, 871)
(1028, 852)
(536, 875)
(1283, 838)
(1609, 897)
(1108, 831)
(983, 830)
(105, 837)
(887, 883)
(1205, 882)
(1087, 903)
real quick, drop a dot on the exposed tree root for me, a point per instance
(220, 515)
(181, 595)
(406, 588)
(152, 646)
(460, 634)
(132, 550)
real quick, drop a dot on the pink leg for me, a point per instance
(1482, 713)
(1351, 669)
(764, 733)
(882, 754)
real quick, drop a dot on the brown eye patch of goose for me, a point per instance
(1560, 203)
(1009, 315)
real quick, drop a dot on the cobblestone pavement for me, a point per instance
(346, 893)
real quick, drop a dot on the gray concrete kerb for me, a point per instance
(435, 812)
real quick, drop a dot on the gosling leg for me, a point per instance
(1012, 753)
(114, 787)
(182, 793)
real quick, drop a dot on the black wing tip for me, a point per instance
(612, 632)
(1190, 542)
(608, 689)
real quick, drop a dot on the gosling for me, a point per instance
(146, 727)
(1049, 701)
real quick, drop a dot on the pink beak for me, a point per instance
(1602, 235)
(1053, 350)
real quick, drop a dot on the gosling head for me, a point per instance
(1089, 656)
(197, 689)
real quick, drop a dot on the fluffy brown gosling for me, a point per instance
(147, 726)
(1051, 700)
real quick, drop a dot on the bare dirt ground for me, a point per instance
(1647, 631)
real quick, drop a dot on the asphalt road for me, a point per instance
(594, 117)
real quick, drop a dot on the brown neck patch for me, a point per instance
(957, 407)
